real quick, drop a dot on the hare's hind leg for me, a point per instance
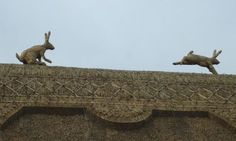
(184, 61)
(30, 59)
(42, 63)
(177, 63)
(31, 62)
(35, 62)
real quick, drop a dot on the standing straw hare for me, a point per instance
(34, 54)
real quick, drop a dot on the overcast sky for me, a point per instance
(121, 34)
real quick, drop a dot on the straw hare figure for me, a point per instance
(34, 54)
(193, 59)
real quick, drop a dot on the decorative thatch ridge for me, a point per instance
(115, 96)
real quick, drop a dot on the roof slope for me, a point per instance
(115, 96)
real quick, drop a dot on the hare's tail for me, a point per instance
(19, 58)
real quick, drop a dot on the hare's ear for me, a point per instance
(46, 37)
(215, 53)
(49, 33)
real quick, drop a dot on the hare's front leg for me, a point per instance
(47, 60)
(212, 69)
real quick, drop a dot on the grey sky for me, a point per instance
(121, 34)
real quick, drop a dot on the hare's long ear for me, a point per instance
(215, 53)
(49, 33)
(46, 37)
